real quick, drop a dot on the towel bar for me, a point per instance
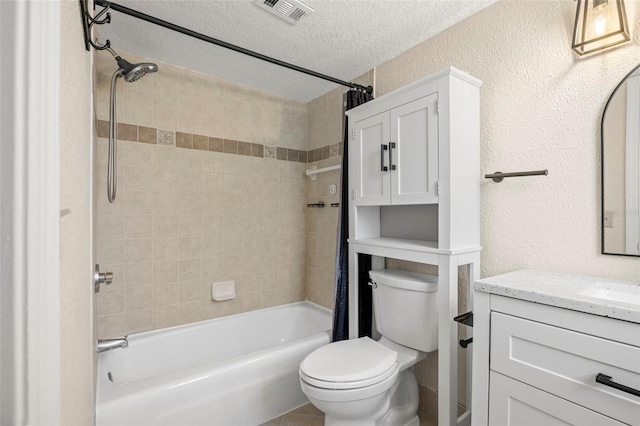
(499, 176)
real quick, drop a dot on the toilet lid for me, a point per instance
(354, 360)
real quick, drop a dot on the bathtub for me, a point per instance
(231, 371)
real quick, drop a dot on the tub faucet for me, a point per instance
(108, 344)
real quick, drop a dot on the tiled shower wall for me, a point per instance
(325, 118)
(325, 128)
(211, 188)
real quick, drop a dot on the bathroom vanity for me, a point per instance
(555, 349)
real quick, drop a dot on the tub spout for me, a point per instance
(108, 344)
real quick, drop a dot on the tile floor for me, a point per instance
(308, 415)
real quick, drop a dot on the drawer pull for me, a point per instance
(606, 380)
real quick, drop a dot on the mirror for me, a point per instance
(620, 133)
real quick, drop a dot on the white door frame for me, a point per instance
(29, 212)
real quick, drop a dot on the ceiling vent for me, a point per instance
(292, 11)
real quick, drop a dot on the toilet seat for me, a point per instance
(349, 364)
(348, 385)
(326, 393)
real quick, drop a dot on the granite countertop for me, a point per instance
(593, 295)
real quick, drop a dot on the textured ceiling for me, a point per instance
(342, 39)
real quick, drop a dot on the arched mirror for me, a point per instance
(620, 132)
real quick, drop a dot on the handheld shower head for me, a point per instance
(130, 72)
(133, 72)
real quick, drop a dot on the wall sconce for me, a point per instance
(600, 24)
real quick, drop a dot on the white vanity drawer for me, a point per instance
(513, 403)
(566, 363)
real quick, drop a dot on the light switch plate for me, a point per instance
(608, 219)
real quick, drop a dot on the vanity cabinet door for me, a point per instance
(372, 161)
(513, 403)
(413, 152)
(566, 363)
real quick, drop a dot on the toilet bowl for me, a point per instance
(362, 382)
(367, 382)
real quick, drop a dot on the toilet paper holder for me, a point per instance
(466, 319)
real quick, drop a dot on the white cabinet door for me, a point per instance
(566, 363)
(512, 403)
(396, 155)
(413, 152)
(372, 161)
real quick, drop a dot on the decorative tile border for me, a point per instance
(133, 133)
(165, 137)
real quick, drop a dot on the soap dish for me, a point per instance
(223, 291)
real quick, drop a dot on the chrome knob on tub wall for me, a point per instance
(101, 277)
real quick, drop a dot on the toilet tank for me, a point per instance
(405, 307)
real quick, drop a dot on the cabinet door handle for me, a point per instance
(383, 148)
(391, 146)
(606, 380)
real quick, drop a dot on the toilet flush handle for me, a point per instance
(373, 284)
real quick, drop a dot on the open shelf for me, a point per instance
(414, 250)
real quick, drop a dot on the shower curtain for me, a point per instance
(351, 99)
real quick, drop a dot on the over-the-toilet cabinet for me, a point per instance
(396, 155)
(414, 182)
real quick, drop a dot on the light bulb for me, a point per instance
(600, 25)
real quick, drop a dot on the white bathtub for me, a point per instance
(231, 371)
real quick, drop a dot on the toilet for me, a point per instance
(367, 382)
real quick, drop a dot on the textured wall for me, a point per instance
(76, 300)
(540, 109)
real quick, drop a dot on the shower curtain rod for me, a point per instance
(186, 31)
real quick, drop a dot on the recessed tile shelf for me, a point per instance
(142, 134)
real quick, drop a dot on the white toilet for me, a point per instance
(367, 382)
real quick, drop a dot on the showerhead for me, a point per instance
(132, 72)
